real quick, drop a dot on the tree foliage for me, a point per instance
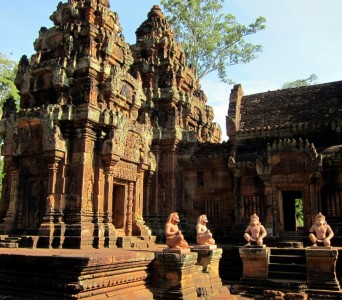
(8, 69)
(299, 212)
(312, 79)
(212, 41)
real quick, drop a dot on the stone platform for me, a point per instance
(116, 274)
(74, 274)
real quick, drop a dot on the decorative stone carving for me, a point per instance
(174, 237)
(320, 232)
(204, 237)
(255, 232)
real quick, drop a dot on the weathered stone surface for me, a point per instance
(61, 274)
(77, 152)
(177, 106)
(173, 275)
(255, 263)
(321, 268)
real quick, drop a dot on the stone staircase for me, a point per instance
(18, 241)
(7, 241)
(292, 239)
(287, 264)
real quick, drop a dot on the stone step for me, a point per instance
(300, 268)
(287, 264)
(287, 251)
(8, 245)
(286, 259)
(290, 276)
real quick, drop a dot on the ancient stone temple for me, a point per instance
(78, 150)
(111, 138)
(287, 152)
(101, 132)
(177, 108)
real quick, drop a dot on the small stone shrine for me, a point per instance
(77, 152)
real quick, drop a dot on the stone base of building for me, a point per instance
(74, 274)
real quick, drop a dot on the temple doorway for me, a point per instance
(119, 207)
(35, 203)
(292, 210)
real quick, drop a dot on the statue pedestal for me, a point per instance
(176, 250)
(172, 275)
(255, 262)
(208, 283)
(321, 268)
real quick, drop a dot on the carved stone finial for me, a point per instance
(156, 12)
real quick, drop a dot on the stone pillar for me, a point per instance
(275, 210)
(48, 236)
(10, 219)
(79, 232)
(109, 228)
(321, 268)
(148, 194)
(129, 223)
(237, 193)
(208, 283)
(255, 263)
(172, 276)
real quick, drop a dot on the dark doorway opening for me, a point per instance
(293, 210)
(119, 207)
(35, 204)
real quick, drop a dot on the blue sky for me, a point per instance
(302, 37)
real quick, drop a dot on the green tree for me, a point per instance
(312, 79)
(299, 212)
(212, 41)
(8, 69)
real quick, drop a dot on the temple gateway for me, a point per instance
(110, 138)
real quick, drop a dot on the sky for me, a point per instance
(302, 37)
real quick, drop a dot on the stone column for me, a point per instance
(109, 228)
(275, 210)
(10, 219)
(155, 197)
(172, 276)
(255, 263)
(79, 233)
(48, 236)
(321, 268)
(237, 195)
(148, 194)
(129, 223)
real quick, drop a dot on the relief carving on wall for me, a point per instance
(125, 170)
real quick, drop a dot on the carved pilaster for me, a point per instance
(10, 219)
(109, 228)
(238, 200)
(49, 236)
(129, 224)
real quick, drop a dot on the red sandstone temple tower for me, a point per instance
(178, 110)
(76, 153)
